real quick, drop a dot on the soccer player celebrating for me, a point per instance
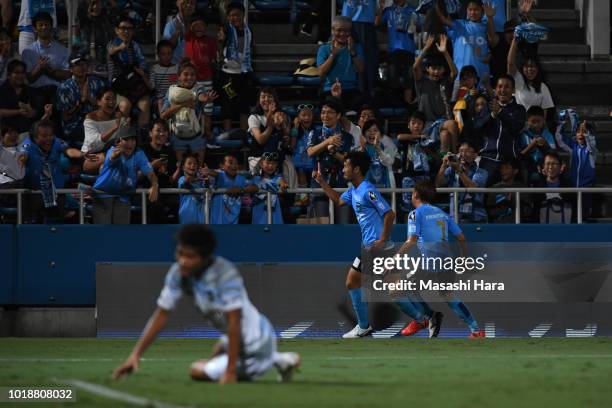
(375, 219)
(248, 349)
(428, 228)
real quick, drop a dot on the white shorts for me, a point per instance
(250, 365)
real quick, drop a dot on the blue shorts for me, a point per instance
(194, 144)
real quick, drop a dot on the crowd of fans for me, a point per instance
(479, 114)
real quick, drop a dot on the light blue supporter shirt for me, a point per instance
(397, 19)
(191, 206)
(225, 209)
(470, 45)
(121, 174)
(58, 59)
(360, 11)
(431, 226)
(343, 67)
(370, 209)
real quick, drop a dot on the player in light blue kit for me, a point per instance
(375, 219)
(248, 348)
(429, 228)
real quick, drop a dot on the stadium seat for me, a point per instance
(271, 4)
(387, 112)
(276, 80)
(88, 178)
(308, 81)
(232, 139)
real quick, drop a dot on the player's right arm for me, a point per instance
(154, 326)
(333, 195)
(454, 229)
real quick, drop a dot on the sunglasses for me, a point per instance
(305, 106)
(271, 156)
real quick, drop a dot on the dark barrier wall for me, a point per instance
(45, 265)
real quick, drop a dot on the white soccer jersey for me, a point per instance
(218, 290)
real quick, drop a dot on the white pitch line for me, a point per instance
(295, 330)
(109, 393)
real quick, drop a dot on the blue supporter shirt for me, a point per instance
(361, 11)
(260, 208)
(169, 30)
(120, 175)
(431, 226)
(343, 67)
(471, 206)
(36, 161)
(69, 95)
(191, 206)
(470, 45)
(500, 15)
(58, 59)
(225, 209)
(370, 209)
(397, 19)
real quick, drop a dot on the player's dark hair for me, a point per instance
(359, 159)
(418, 115)
(535, 111)
(426, 190)
(198, 237)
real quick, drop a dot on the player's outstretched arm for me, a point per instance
(233, 349)
(156, 323)
(329, 192)
(462, 243)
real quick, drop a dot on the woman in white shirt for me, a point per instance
(529, 88)
(101, 128)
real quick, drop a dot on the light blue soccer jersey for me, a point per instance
(370, 209)
(431, 225)
(470, 45)
(219, 290)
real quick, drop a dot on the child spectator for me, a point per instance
(553, 208)
(191, 208)
(476, 114)
(76, 97)
(177, 27)
(101, 129)
(237, 69)
(182, 109)
(269, 180)
(269, 129)
(502, 129)
(225, 208)
(471, 37)
(381, 160)
(302, 126)
(341, 60)
(417, 162)
(530, 87)
(583, 153)
(434, 91)
(163, 74)
(462, 171)
(466, 95)
(118, 178)
(535, 142)
(126, 69)
(202, 51)
(501, 206)
(398, 19)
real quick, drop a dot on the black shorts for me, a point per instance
(236, 92)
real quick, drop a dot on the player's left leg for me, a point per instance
(463, 312)
(353, 284)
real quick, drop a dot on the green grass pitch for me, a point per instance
(334, 373)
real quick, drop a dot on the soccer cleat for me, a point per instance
(287, 364)
(358, 332)
(414, 327)
(435, 323)
(477, 334)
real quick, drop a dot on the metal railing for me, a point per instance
(208, 193)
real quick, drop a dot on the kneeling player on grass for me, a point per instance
(248, 349)
(375, 219)
(428, 228)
